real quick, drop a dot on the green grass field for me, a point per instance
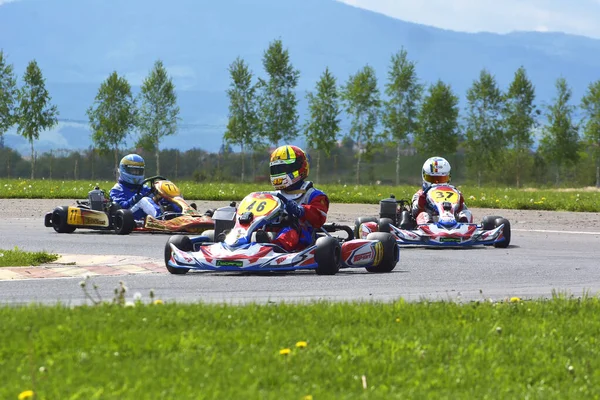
(17, 257)
(544, 349)
(508, 198)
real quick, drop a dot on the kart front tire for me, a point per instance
(328, 255)
(391, 252)
(123, 222)
(59, 220)
(505, 232)
(183, 243)
(489, 222)
(361, 220)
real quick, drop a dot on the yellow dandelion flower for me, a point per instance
(28, 394)
(307, 397)
(301, 344)
(284, 352)
(515, 299)
(397, 319)
(158, 301)
(497, 200)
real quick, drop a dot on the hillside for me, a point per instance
(78, 43)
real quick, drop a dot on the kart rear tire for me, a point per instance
(505, 232)
(183, 243)
(328, 255)
(123, 222)
(59, 220)
(361, 220)
(384, 225)
(391, 252)
(489, 222)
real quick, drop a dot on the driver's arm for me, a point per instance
(315, 211)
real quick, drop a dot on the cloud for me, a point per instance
(7, 1)
(578, 17)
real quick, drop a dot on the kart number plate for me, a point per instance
(74, 217)
(440, 195)
(258, 206)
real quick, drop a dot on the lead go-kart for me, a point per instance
(444, 231)
(235, 244)
(99, 213)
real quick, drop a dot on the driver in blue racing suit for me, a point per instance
(129, 192)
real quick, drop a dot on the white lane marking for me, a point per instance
(550, 231)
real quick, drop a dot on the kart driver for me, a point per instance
(436, 170)
(125, 192)
(307, 205)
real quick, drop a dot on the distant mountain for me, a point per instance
(78, 43)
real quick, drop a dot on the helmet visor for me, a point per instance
(436, 178)
(134, 170)
(279, 169)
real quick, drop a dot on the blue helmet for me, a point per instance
(131, 169)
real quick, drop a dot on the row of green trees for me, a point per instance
(114, 115)
(497, 127)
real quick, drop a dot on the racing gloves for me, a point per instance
(136, 198)
(292, 208)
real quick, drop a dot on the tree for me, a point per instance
(361, 97)
(485, 140)
(242, 125)
(113, 115)
(520, 117)
(401, 110)
(437, 130)
(323, 126)
(590, 104)
(34, 112)
(8, 97)
(158, 112)
(560, 141)
(277, 100)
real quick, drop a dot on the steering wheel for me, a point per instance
(151, 179)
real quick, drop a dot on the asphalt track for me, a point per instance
(549, 252)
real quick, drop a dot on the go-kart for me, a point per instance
(445, 230)
(98, 212)
(237, 244)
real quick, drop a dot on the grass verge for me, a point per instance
(20, 258)
(546, 349)
(489, 197)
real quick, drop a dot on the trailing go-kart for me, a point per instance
(97, 212)
(395, 216)
(240, 244)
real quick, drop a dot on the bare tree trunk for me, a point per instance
(32, 159)
(518, 170)
(51, 158)
(358, 167)
(243, 162)
(92, 159)
(478, 178)
(157, 159)
(116, 172)
(75, 170)
(598, 172)
(398, 148)
(318, 166)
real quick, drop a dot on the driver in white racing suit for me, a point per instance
(129, 192)
(436, 170)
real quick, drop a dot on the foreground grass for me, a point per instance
(534, 349)
(507, 198)
(18, 258)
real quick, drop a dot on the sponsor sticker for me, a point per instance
(378, 254)
(450, 240)
(229, 263)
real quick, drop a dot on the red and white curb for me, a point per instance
(77, 265)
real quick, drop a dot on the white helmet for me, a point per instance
(435, 170)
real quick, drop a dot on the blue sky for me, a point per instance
(580, 17)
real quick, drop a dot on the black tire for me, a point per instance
(505, 232)
(489, 222)
(384, 225)
(182, 242)
(59, 220)
(210, 234)
(328, 255)
(361, 220)
(123, 222)
(391, 252)
(407, 221)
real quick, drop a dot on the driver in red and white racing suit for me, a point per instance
(307, 205)
(125, 192)
(436, 170)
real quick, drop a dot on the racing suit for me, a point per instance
(125, 195)
(423, 212)
(314, 204)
